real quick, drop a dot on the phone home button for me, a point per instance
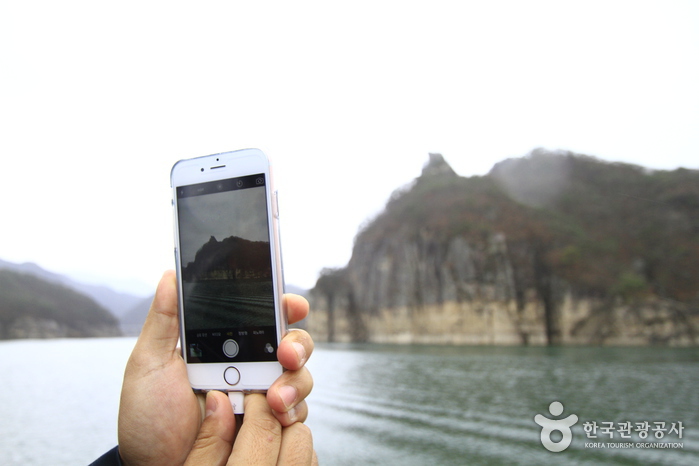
(231, 375)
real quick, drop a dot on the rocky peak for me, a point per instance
(437, 166)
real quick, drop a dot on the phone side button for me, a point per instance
(231, 376)
(275, 207)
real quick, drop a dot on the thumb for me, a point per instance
(215, 439)
(161, 329)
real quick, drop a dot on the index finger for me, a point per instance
(260, 436)
(296, 307)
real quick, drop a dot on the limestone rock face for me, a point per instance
(458, 261)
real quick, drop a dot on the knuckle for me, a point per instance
(299, 335)
(299, 429)
(305, 339)
(205, 441)
(265, 425)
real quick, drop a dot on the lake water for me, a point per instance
(376, 404)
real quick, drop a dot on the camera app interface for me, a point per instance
(228, 295)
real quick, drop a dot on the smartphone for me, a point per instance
(229, 270)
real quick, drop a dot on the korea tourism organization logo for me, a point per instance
(607, 434)
(548, 426)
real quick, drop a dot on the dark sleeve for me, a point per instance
(111, 458)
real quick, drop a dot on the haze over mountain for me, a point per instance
(129, 309)
(119, 304)
(31, 307)
(554, 247)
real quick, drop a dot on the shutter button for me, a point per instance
(230, 348)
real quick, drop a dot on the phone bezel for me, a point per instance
(254, 376)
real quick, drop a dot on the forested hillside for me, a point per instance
(34, 308)
(553, 247)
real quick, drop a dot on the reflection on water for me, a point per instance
(476, 405)
(373, 404)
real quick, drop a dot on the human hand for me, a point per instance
(261, 439)
(159, 414)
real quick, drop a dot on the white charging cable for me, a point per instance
(237, 400)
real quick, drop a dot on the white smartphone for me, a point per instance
(229, 270)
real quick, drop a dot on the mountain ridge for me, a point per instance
(551, 248)
(117, 302)
(31, 307)
(130, 309)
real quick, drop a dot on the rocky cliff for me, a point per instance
(233, 258)
(552, 248)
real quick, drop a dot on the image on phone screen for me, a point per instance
(226, 271)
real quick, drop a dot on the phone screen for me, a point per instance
(226, 271)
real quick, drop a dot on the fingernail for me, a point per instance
(300, 351)
(292, 415)
(288, 395)
(211, 405)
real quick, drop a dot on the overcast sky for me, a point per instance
(99, 99)
(238, 213)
